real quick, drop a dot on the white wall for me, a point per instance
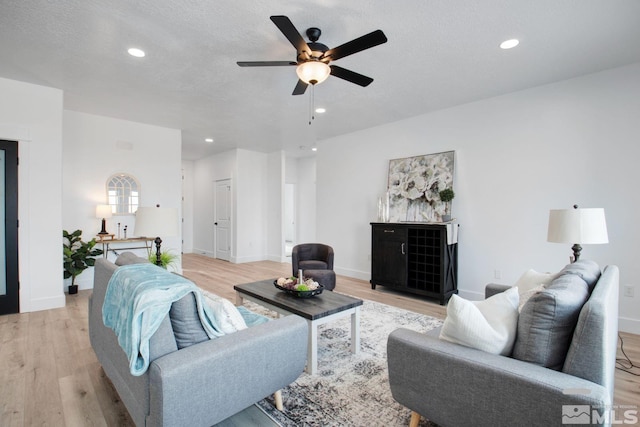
(517, 156)
(187, 205)
(251, 199)
(306, 199)
(32, 115)
(97, 147)
(275, 206)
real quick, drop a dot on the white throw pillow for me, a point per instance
(530, 279)
(488, 325)
(229, 318)
(524, 296)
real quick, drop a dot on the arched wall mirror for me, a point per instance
(123, 194)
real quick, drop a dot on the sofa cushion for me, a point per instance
(547, 321)
(127, 258)
(187, 326)
(586, 269)
(488, 325)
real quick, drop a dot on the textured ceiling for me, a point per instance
(440, 53)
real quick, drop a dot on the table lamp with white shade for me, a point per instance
(103, 212)
(577, 226)
(156, 221)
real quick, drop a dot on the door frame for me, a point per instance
(229, 183)
(10, 302)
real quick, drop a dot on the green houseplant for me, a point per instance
(77, 256)
(167, 258)
(447, 196)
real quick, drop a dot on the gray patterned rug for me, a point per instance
(349, 389)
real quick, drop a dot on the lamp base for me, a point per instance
(104, 227)
(158, 242)
(576, 252)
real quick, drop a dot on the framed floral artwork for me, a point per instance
(414, 187)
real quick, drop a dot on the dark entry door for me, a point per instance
(9, 285)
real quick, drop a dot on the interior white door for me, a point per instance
(222, 220)
(290, 213)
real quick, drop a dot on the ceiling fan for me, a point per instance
(313, 58)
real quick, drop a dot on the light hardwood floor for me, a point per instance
(50, 375)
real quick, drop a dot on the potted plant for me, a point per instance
(447, 196)
(167, 258)
(77, 256)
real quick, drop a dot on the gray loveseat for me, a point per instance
(202, 384)
(453, 385)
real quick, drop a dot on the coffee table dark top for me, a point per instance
(313, 308)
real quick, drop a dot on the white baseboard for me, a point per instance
(203, 252)
(470, 295)
(356, 274)
(240, 260)
(626, 324)
(39, 304)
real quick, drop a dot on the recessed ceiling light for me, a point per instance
(208, 140)
(508, 44)
(314, 149)
(321, 110)
(134, 51)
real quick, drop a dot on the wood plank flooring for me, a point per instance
(51, 376)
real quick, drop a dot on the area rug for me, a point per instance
(349, 389)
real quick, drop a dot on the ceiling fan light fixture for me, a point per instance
(313, 72)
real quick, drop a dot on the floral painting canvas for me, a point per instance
(415, 184)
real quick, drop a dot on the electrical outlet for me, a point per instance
(628, 291)
(497, 274)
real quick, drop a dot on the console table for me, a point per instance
(130, 243)
(421, 258)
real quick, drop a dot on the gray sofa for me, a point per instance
(202, 384)
(454, 385)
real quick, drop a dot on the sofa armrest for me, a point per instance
(494, 288)
(455, 385)
(215, 379)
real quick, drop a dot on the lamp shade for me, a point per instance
(313, 72)
(103, 211)
(581, 226)
(156, 222)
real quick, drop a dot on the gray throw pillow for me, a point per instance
(186, 323)
(588, 270)
(127, 258)
(547, 321)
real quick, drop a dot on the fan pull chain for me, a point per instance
(312, 103)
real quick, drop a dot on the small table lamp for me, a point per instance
(577, 226)
(156, 221)
(103, 212)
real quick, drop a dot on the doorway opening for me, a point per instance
(9, 284)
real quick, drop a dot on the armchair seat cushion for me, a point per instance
(312, 265)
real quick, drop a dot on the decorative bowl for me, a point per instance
(300, 294)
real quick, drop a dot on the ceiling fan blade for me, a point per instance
(265, 63)
(350, 76)
(356, 45)
(285, 25)
(300, 88)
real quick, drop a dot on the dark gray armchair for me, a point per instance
(453, 385)
(316, 261)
